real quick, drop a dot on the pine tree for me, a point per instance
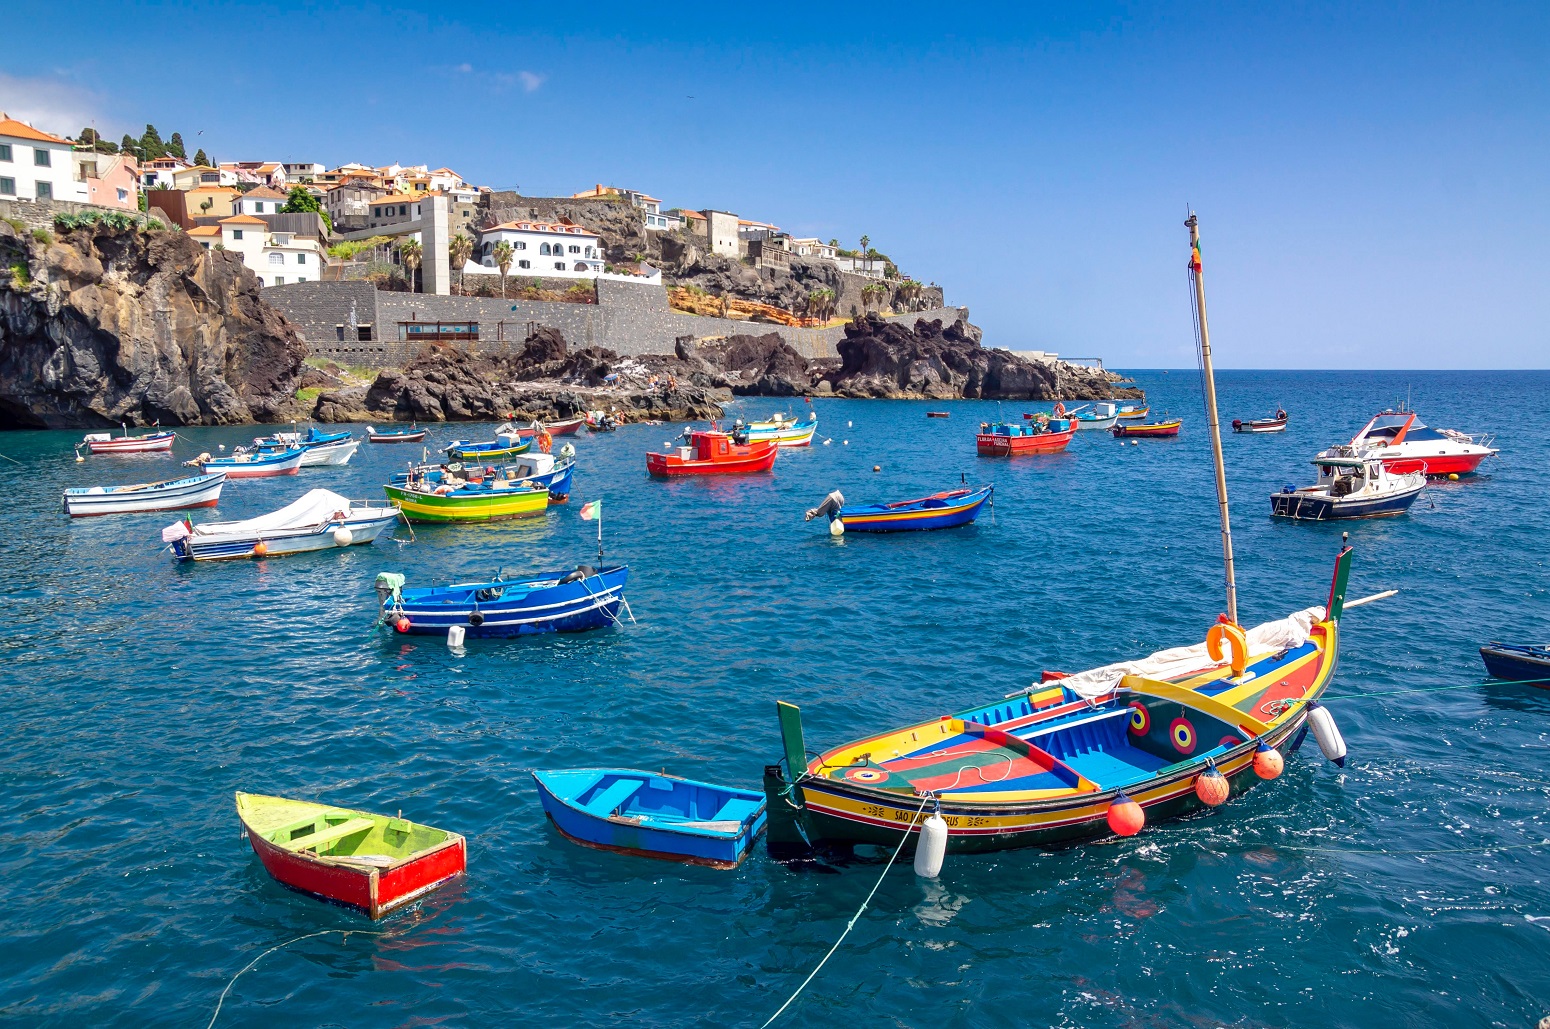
(151, 142)
(128, 144)
(175, 146)
(201, 159)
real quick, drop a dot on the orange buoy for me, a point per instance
(260, 548)
(402, 625)
(1211, 787)
(1268, 762)
(1125, 816)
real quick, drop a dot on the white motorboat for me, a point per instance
(1358, 486)
(1406, 444)
(169, 495)
(320, 520)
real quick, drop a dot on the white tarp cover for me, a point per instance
(313, 509)
(1282, 634)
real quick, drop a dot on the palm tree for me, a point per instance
(820, 303)
(410, 253)
(460, 249)
(503, 254)
(866, 241)
(873, 293)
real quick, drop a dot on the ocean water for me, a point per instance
(1409, 888)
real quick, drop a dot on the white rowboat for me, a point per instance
(170, 495)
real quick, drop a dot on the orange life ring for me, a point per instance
(1060, 409)
(1223, 632)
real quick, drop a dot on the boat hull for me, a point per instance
(262, 468)
(590, 603)
(670, 465)
(1436, 465)
(1516, 664)
(396, 437)
(1097, 423)
(329, 454)
(133, 444)
(1156, 431)
(363, 531)
(992, 445)
(1260, 428)
(1319, 507)
(173, 495)
(490, 506)
(877, 518)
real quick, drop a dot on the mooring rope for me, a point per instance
(1379, 850)
(1436, 689)
(281, 946)
(854, 918)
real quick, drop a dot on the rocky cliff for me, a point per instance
(107, 325)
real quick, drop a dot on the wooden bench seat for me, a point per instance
(312, 841)
(611, 799)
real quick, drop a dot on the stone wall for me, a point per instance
(627, 318)
(39, 214)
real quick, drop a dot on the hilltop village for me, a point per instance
(317, 278)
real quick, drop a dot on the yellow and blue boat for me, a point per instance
(508, 442)
(939, 511)
(442, 498)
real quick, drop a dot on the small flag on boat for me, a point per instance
(592, 511)
(1194, 257)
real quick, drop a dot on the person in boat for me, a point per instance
(1281, 413)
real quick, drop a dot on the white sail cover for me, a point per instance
(315, 508)
(1282, 634)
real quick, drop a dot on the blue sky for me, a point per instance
(1372, 180)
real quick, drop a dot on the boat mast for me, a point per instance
(1214, 422)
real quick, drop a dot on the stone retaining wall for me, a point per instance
(627, 318)
(39, 214)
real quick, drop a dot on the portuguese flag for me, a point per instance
(1194, 258)
(592, 511)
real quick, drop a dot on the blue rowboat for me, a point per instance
(507, 443)
(1518, 662)
(575, 601)
(253, 464)
(651, 815)
(938, 511)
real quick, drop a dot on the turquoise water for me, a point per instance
(142, 693)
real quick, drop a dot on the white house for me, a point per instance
(296, 171)
(157, 173)
(275, 257)
(260, 200)
(541, 248)
(812, 247)
(37, 166)
(394, 208)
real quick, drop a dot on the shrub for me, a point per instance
(20, 276)
(16, 224)
(42, 236)
(309, 394)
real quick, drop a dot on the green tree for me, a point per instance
(175, 146)
(410, 253)
(459, 249)
(151, 142)
(503, 254)
(873, 293)
(299, 201)
(200, 158)
(92, 138)
(128, 144)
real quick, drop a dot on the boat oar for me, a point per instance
(1368, 600)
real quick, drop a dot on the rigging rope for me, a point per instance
(281, 946)
(854, 918)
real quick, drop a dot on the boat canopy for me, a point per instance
(314, 508)
(1284, 633)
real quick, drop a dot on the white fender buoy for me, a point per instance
(1327, 733)
(850, 425)
(220, 446)
(931, 848)
(836, 528)
(343, 537)
(455, 635)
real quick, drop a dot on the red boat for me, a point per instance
(374, 863)
(1007, 439)
(565, 428)
(1405, 444)
(1151, 430)
(106, 443)
(714, 453)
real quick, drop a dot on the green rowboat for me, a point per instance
(470, 503)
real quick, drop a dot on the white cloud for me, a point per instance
(465, 68)
(530, 80)
(51, 104)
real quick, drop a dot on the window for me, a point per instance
(40, 157)
(5, 151)
(275, 257)
(524, 264)
(123, 196)
(580, 266)
(45, 191)
(543, 248)
(575, 249)
(8, 187)
(236, 233)
(559, 266)
(258, 207)
(279, 280)
(301, 278)
(204, 244)
(519, 246)
(376, 212)
(403, 208)
(301, 258)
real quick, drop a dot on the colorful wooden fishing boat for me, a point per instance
(1130, 412)
(107, 443)
(1407, 445)
(575, 601)
(168, 495)
(402, 434)
(373, 863)
(713, 453)
(1349, 487)
(319, 520)
(785, 431)
(319, 448)
(1275, 423)
(482, 496)
(1091, 754)
(943, 510)
(1044, 435)
(1150, 430)
(1518, 662)
(1094, 416)
(508, 442)
(568, 427)
(553, 474)
(652, 815)
(253, 464)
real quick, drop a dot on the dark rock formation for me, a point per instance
(880, 358)
(540, 381)
(124, 325)
(762, 366)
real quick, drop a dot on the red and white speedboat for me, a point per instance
(107, 443)
(1406, 444)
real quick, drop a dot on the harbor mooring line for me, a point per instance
(282, 946)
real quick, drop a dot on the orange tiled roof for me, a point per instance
(21, 130)
(526, 226)
(265, 193)
(205, 230)
(243, 219)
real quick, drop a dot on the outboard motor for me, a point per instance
(581, 572)
(831, 506)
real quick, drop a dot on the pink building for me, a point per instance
(112, 180)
